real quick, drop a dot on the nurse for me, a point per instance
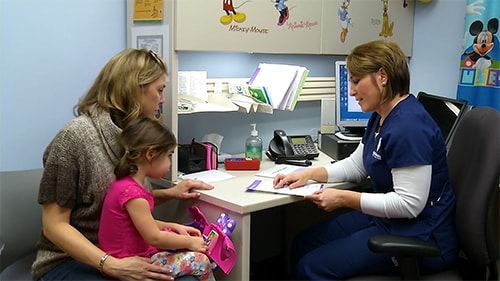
(404, 154)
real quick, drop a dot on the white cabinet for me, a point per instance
(311, 26)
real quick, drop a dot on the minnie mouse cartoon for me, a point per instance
(484, 41)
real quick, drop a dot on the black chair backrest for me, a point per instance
(474, 168)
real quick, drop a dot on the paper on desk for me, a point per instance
(267, 186)
(279, 169)
(208, 176)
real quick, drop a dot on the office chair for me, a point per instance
(474, 170)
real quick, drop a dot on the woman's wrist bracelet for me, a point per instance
(101, 262)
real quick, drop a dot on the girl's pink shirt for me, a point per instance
(117, 233)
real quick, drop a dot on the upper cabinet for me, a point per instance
(348, 23)
(330, 27)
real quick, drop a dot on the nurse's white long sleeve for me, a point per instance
(411, 187)
(349, 169)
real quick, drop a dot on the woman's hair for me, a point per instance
(118, 86)
(370, 57)
(137, 138)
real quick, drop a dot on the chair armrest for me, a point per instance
(402, 246)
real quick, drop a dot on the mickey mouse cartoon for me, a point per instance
(484, 41)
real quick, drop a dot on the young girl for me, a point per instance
(127, 227)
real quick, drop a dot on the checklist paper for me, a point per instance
(267, 186)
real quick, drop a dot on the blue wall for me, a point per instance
(50, 52)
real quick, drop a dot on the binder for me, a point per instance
(283, 83)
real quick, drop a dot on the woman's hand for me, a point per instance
(292, 180)
(135, 268)
(183, 190)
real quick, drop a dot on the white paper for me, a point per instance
(193, 83)
(215, 103)
(267, 186)
(208, 176)
(152, 37)
(284, 169)
(277, 78)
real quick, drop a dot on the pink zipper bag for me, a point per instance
(221, 249)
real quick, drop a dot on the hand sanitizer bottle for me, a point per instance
(253, 144)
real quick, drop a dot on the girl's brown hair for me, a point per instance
(137, 138)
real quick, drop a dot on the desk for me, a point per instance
(230, 196)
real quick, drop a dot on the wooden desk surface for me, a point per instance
(231, 194)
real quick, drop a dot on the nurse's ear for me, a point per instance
(382, 75)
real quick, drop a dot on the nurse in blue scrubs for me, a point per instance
(404, 154)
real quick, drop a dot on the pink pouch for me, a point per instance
(221, 249)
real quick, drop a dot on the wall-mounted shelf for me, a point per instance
(315, 88)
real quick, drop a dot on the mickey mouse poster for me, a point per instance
(480, 61)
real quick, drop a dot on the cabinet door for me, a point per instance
(249, 26)
(347, 24)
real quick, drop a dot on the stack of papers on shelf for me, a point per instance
(282, 83)
(193, 96)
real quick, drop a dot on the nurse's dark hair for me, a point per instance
(368, 58)
(139, 137)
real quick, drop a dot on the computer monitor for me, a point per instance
(350, 119)
(446, 112)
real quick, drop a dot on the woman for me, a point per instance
(404, 154)
(78, 169)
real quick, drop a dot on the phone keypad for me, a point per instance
(308, 148)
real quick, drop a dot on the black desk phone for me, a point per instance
(285, 149)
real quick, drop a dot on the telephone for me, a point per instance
(288, 149)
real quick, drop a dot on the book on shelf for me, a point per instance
(283, 83)
(250, 99)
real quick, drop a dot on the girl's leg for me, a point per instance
(186, 263)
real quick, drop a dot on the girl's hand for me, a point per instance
(198, 244)
(185, 230)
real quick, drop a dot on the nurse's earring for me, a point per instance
(383, 83)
